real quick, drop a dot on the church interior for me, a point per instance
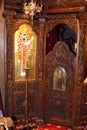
(43, 68)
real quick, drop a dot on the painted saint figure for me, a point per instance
(24, 49)
(60, 83)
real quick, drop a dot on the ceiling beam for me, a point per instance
(65, 10)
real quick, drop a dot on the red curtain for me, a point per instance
(51, 39)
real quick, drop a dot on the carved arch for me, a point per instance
(49, 28)
(71, 22)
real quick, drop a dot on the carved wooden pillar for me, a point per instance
(41, 48)
(82, 86)
(9, 62)
(79, 72)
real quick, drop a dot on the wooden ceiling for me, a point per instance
(49, 6)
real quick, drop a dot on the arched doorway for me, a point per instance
(61, 32)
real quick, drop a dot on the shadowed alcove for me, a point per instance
(61, 32)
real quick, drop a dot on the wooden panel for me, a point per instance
(66, 4)
(19, 108)
(61, 10)
(59, 102)
(84, 107)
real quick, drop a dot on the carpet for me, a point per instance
(46, 127)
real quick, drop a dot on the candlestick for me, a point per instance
(26, 96)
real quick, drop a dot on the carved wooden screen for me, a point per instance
(59, 101)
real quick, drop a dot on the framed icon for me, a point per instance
(25, 52)
(59, 79)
